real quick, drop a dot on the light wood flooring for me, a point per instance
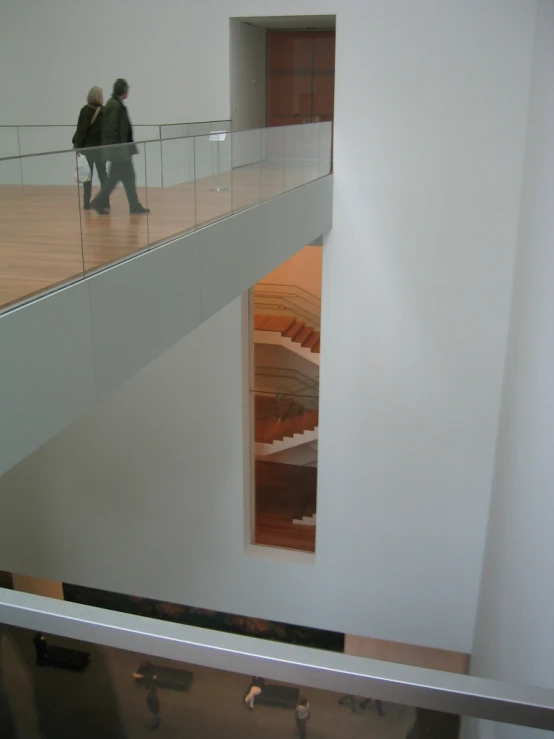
(47, 239)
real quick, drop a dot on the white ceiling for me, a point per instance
(291, 22)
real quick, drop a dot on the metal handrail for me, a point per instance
(289, 295)
(387, 681)
(283, 410)
(261, 285)
(72, 125)
(294, 374)
(136, 143)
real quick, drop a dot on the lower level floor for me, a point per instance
(106, 700)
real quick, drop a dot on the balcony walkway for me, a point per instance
(95, 333)
(46, 239)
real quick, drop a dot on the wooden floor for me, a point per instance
(284, 492)
(46, 239)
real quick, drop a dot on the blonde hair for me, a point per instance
(95, 96)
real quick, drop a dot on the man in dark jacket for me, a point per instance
(117, 137)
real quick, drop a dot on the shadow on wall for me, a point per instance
(47, 709)
(216, 620)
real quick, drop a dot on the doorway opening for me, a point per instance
(300, 76)
(282, 70)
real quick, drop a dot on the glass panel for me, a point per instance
(10, 173)
(146, 133)
(213, 179)
(247, 168)
(174, 130)
(203, 128)
(295, 155)
(171, 199)
(325, 138)
(309, 139)
(185, 181)
(118, 233)
(9, 145)
(39, 139)
(40, 236)
(220, 125)
(49, 685)
(273, 162)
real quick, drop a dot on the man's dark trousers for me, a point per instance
(119, 172)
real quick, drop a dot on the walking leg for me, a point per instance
(102, 200)
(129, 183)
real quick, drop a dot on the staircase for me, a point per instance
(285, 493)
(290, 328)
(278, 419)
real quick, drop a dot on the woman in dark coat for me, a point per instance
(89, 134)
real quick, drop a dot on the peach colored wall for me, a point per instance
(302, 270)
(406, 654)
(38, 586)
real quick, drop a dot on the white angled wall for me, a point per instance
(514, 638)
(431, 108)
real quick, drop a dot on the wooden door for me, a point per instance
(300, 77)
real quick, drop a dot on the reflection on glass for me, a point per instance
(9, 142)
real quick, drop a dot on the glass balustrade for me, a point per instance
(37, 139)
(49, 236)
(69, 669)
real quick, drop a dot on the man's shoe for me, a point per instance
(99, 209)
(139, 209)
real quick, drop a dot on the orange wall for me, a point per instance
(302, 270)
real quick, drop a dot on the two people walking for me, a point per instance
(108, 128)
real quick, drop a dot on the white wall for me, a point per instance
(514, 638)
(431, 105)
(247, 68)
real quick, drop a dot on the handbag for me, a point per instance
(82, 170)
